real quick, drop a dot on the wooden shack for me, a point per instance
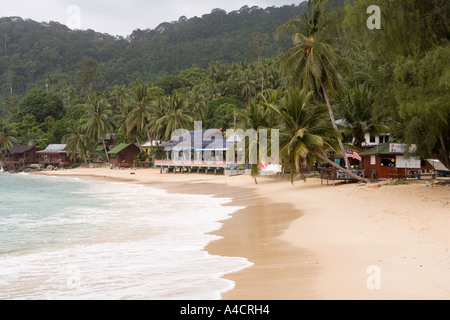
(20, 155)
(124, 155)
(55, 155)
(389, 161)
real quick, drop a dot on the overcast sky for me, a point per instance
(122, 17)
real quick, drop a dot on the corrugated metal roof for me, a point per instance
(54, 148)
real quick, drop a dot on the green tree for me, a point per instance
(7, 136)
(410, 57)
(99, 120)
(42, 104)
(176, 116)
(141, 104)
(305, 135)
(312, 64)
(87, 75)
(359, 115)
(77, 141)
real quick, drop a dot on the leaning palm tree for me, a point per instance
(99, 119)
(7, 136)
(305, 133)
(312, 64)
(77, 142)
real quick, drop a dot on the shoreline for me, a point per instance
(309, 241)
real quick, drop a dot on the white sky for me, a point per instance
(122, 17)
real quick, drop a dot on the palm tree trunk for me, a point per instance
(333, 121)
(444, 150)
(354, 176)
(104, 147)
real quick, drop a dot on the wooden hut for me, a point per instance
(388, 161)
(124, 155)
(54, 154)
(20, 155)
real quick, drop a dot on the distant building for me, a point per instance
(20, 155)
(54, 154)
(124, 155)
(390, 160)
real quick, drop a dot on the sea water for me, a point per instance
(63, 238)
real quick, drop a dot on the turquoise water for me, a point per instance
(64, 238)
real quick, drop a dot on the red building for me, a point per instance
(124, 155)
(20, 155)
(389, 161)
(55, 155)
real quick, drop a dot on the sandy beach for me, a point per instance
(310, 241)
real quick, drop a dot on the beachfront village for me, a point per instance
(318, 108)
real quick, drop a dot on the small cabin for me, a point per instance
(389, 161)
(20, 155)
(54, 154)
(124, 155)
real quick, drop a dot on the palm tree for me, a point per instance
(255, 116)
(138, 117)
(7, 136)
(77, 142)
(359, 115)
(305, 135)
(312, 64)
(99, 119)
(304, 132)
(176, 115)
(248, 85)
(198, 104)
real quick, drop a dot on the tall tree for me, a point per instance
(7, 136)
(141, 104)
(77, 142)
(99, 120)
(312, 64)
(176, 115)
(305, 133)
(359, 115)
(87, 75)
(411, 54)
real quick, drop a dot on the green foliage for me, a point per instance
(41, 104)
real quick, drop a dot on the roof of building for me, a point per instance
(202, 138)
(54, 148)
(18, 149)
(385, 148)
(119, 148)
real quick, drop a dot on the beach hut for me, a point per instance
(389, 161)
(20, 155)
(124, 155)
(147, 146)
(54, 154)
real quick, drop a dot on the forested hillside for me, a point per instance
(37, 54)
(253, 68)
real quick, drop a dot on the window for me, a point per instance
(373, 160)
(381, 139)
(372, 139)
(388, 162)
